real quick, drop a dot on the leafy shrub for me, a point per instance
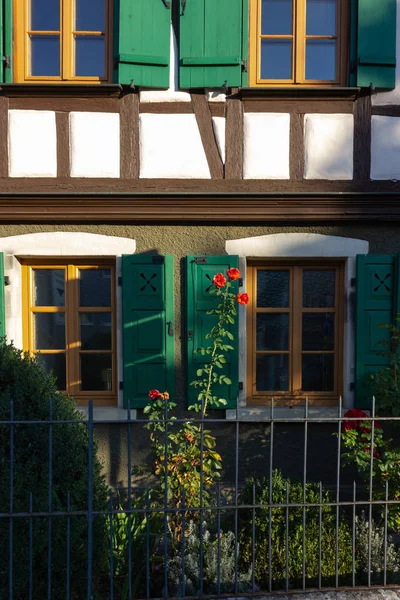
(210, 564)
(377, 552)
(295, 534)
(32, 391)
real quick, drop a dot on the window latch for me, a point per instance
(166, 3)
(7, 62)
(183, 7)
(170, 329)
(244, 66)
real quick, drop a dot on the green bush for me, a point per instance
(32, 391)
(295, 535)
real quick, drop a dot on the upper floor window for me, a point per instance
(298, 42)
(65, 41)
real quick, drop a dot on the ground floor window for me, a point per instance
(295, 332)
(69, 315)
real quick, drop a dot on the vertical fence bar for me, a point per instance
(11, 475)
(165, 591)
(90, 500)
(50, 500)
(353, 565)
(68, 574)
(339, 450)
(271, 466)
(287, 539)
(320, 537)
(385, 540)
(129, 467)
(237, 434)
(147, 543)
(183, 545)
(201, 557)
(219, 538)
(371, 476)
(111, 525)
(30, 546)
(305, 491)
(253, 539)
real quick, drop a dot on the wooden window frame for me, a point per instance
(294, 396)
(72, 311)
(299, 46)
(22, 58)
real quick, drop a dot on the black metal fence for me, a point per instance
(242, 537)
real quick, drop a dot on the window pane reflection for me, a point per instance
(272, 373)
(321, 17)
(276, 16)
(321, 59)
(276, 59)
(318, 373)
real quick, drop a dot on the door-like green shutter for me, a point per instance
(377, 304)
(2, 301)
(376, 57)
(210, 47)
(200, 271)
(143, 42)
(148, 326)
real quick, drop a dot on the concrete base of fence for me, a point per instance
(377, 594)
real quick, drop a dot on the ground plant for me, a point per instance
(385, 383)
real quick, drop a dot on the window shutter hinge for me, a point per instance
(244, 66)
(353, 282)
(158, 259)
(119, 280)
(200, 260)
(7, 62)
(240, 386)
(121, 385)
(6, 280)
(353, 67)
(352, 386)
(240, 281)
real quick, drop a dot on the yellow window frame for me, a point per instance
(299, 38)
(72, 311)
(22, 53)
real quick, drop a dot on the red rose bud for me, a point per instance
(233, 273)
(243, 298)
(219, 280)
(154, 394)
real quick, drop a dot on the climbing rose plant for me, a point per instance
(186, 462)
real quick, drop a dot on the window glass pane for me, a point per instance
(96, 372)
(90, 15)
(45, 15)
(317, 372)
(273, 331)
(95, 331)
(321, 17)
(48, 287)
(272, 372)
(276, 17)
(321, 59)
(273, 289)
(89, 56)
(45, 55)
(276, 59)
(55, 364)
(49, 331)
(318, 288)
(95, 287)
(319, 331)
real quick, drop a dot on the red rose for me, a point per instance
(219, 280)
(233, 274)
(154, 394)
(243, 298)
(354, 412)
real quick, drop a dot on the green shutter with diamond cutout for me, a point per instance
(2, 300)
(148, 326)
(200, 271)
(377, 303)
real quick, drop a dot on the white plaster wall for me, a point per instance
(32, 143)
(299, 245)
(171, 147)
(219, 132)
(94, 144)
(266, 146)
(392, 97)
(172, 94)
(328, 141)
(62, 244)
(385, 147)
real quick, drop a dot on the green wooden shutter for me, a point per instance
(148, 326)
(376, 58)
(2, 301)
(377, 303)
(143, 42)
(199, 274)
(210, 48)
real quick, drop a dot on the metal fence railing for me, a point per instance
(244, 536)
